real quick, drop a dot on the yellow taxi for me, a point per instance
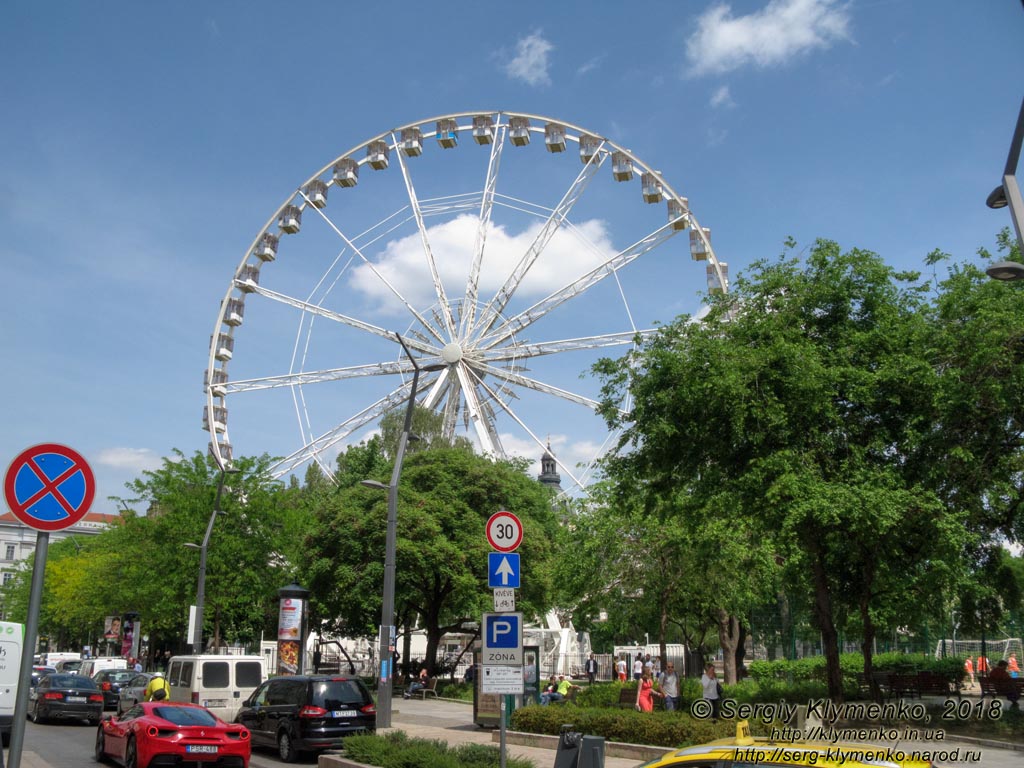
(746, 751)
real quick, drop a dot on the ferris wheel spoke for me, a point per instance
(484, 433)
(576, 288)
(512, 414)
(352, 322)
(558, 216)
(538, 349)
(519, 380)
(483, 223)
(317, 377)
(451, 408)
(414, 203)
(373, 268)
(341, 431)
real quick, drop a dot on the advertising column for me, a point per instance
(291, 626)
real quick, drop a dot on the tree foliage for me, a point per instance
(832, 411)
(445, 497)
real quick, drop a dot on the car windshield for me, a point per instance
(336, 694)
(121, 675)
(71, 681)
(185, 715)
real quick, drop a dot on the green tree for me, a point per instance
(445, 498)
(807, 405)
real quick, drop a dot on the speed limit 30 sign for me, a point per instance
(504, 531)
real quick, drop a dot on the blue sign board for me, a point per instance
(503, 630)
(503, 569)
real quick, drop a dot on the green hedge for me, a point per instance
(396, 750)
(660, 729)
(812, 669)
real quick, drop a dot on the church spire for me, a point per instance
(549, 470)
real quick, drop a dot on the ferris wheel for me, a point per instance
(472, 247)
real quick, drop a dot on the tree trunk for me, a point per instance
(826, 625)
(728, 639)
(868, 646)
(741, 650)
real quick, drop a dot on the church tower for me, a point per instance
(549, 471)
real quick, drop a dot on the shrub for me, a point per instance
(396, 750)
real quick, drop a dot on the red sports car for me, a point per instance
(155, 733)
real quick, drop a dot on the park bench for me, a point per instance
(1012, 689)
(901, 686)
(881, 680)
(431, 688)
(931, 684)
(570, 696)
(627, 697)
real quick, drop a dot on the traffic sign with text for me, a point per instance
(502, 636)
(502, 569)
(504, 531)
(504, 600)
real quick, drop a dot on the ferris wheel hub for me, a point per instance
(451, 353)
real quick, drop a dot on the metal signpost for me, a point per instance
(502, 631)
(48, 487)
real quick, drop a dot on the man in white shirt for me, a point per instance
(668, 682)
(709, 684)
(638, 667)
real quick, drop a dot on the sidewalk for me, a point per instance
(453, 722)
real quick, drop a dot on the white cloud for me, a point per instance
(722, 98)
(403, 264)
(770, 37)
(590, 65)
(134, 459)
(530, 63)
(568, 455)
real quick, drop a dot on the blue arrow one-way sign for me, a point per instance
(503, 569)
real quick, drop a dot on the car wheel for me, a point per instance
(285, 748)
(100, 752)
(131, 754)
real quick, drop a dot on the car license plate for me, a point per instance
(215, 703)
(206, 749)
(343, 713)
(76, 699)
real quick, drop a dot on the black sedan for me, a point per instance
(110, 681)
(66, 697)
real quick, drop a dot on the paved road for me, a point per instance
(70, 746)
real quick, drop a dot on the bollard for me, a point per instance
(568, 753)
(592, 752)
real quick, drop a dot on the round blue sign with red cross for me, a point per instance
(49, 487)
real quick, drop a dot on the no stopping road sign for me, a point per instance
(49, 487)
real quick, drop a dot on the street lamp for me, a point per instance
(1008, 194)
(197, 634)
(387, 611)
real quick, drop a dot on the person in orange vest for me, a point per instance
(982, 667)
(1012, 666)
(969, 669)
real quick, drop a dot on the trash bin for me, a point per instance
(591, 752)
(568, 753)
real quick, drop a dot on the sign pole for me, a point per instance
(27, 649)
(501, 733)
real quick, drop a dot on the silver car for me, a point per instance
(133, 691)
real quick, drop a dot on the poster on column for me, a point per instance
(289, 635)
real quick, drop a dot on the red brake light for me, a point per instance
(53, 695)
(311, 711)
(106, 685)
(368, 709)
(96, 697)
(152, 730)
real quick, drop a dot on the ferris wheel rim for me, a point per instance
(572, 132)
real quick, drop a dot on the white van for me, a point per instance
(12, 637)
(219, 683)
(91, 666)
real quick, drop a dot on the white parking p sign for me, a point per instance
(502, 639)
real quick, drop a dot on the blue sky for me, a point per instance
(144, 146)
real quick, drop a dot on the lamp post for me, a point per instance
(1008, 194)
(197, 635)
(387, 611)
